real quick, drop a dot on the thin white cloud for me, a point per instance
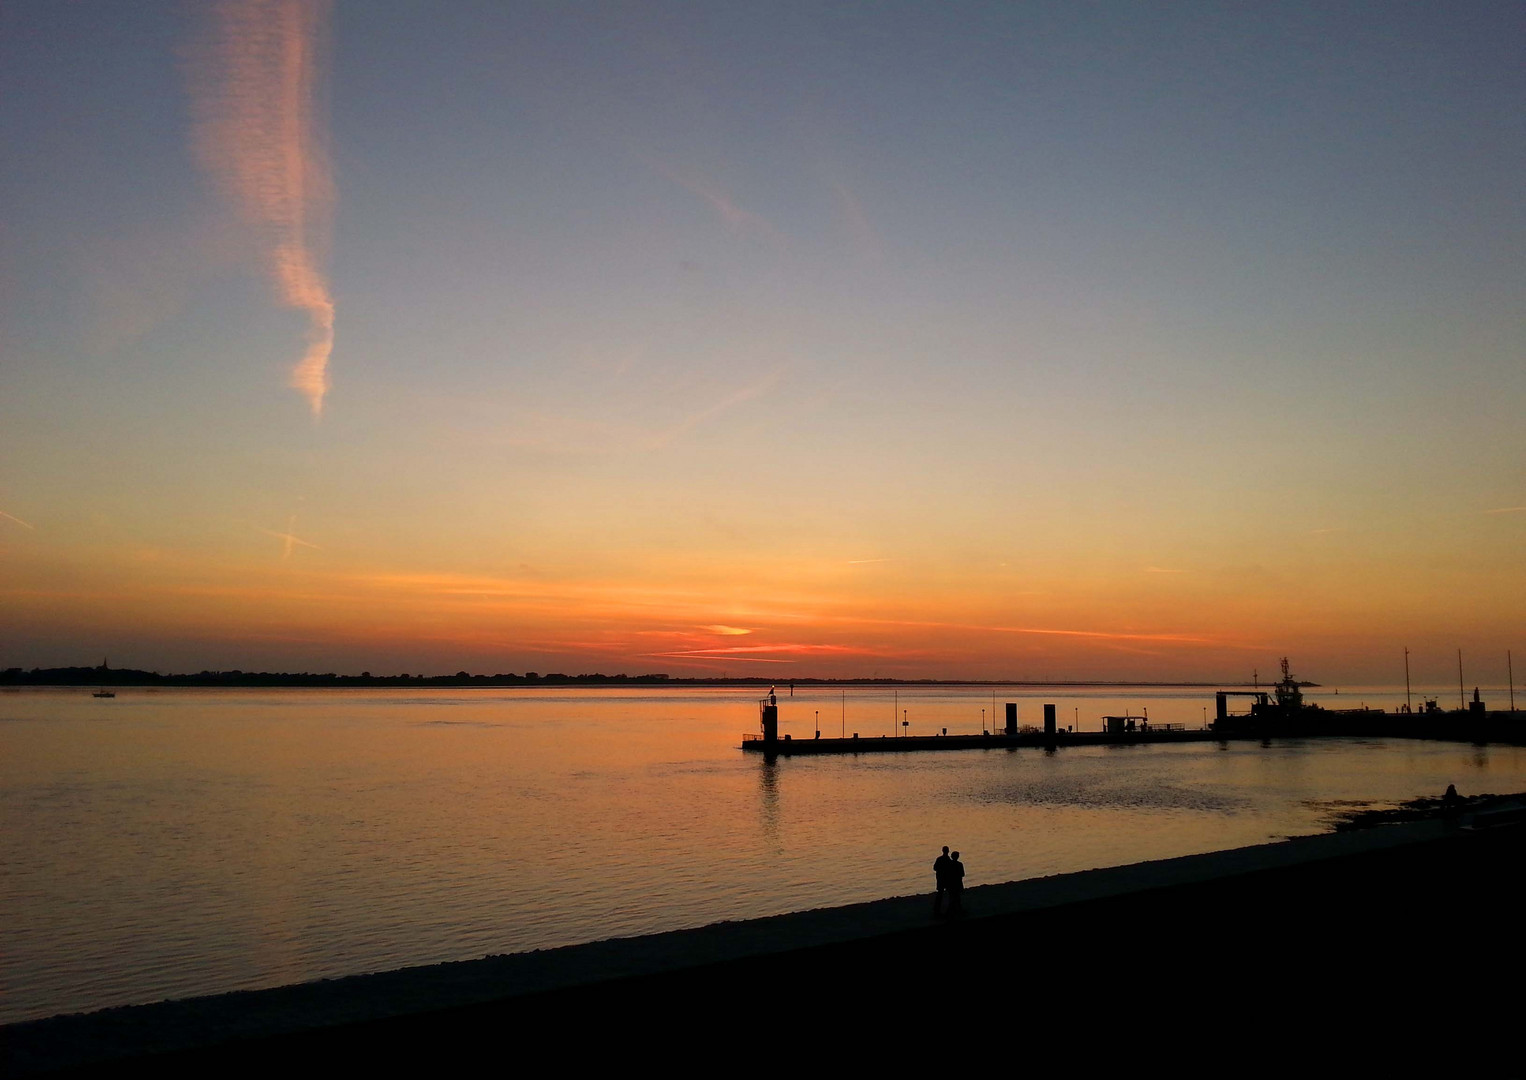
(722, 656)
(709, 412)
(564, 434)
(1162, 570)
(17, 520)
(741, 652)
(864, 236)
(1507, 510)
(722, 203)
(258, 132)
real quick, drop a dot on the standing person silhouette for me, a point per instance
(955, 885)
(940, 873)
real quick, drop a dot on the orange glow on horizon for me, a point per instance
(813, 618)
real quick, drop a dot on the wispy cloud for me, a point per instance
(726, 631)
(722, 203)
(754, 654)
(742, 652)
(724, 656)
(1322, 532)
(550, 433)
(17, 520)
(709, 412)
(1507, 510)
(866, 562)
(611, 647)
(1162, 570)
(1043, 631)
(620, 600)
(864, 236)
(258, 132)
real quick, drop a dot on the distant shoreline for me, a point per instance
(104, 676)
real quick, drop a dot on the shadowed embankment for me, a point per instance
(1394, 944)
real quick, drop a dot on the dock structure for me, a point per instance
(1481, 728)
(1283, 713)
(902, 744)
(768, 740)
(1280, 713)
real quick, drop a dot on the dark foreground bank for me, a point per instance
(1397, 945)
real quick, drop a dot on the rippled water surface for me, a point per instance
(176, 842)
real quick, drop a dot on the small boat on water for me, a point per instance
(104, 693)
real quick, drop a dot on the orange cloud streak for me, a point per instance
(257, 132)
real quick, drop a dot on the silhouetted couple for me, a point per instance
(949, 872)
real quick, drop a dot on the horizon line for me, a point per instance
(87, 675)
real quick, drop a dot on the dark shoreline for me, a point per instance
(1377, 910)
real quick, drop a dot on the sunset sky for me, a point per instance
(988, 341)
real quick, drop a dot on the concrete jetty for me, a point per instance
(1286, 717)
(1505, 728)
(893, 744)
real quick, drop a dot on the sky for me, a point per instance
(1008, 341)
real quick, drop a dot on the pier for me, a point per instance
(1503, 728)
(1276, 713)
(903, 744)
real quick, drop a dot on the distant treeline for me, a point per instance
(102, 676)
(105, 676)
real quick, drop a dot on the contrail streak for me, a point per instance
(17, 520)
(258, 133)
(290, 538)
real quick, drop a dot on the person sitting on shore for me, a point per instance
(955, 885)
(1451, 802)
(940, 874)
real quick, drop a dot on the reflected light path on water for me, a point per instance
(178, 842)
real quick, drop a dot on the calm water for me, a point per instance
(180, 842)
